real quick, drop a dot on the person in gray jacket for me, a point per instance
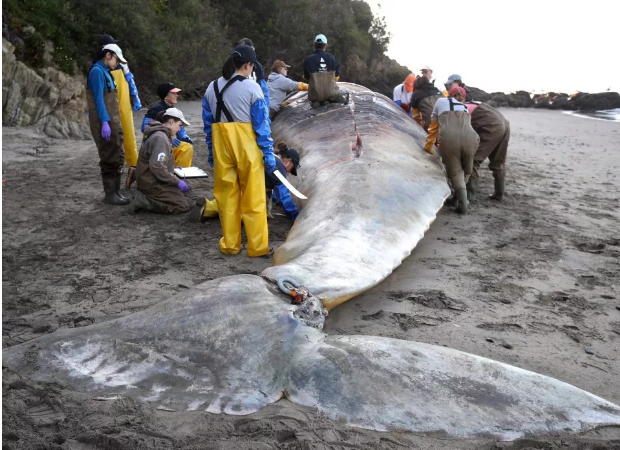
(159, 189)
(279, 86)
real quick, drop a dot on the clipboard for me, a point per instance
(190, 172)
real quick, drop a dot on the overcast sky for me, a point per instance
(537, 46)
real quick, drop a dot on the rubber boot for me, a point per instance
(472, 189)
(109, 187)
(500, 180)
(118, 187)
(463, 203)
(452, 200)
(142, 202)
(197, 211)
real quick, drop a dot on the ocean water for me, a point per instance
(608, 114)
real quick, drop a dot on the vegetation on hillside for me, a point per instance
(186, 41)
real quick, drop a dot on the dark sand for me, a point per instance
(537, 274)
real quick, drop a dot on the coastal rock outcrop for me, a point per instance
(47, 99)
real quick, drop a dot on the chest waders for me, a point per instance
(111, 153)
(459, 143)
(239, 185)
(494, 132)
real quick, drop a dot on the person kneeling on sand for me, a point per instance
(159, 189)
(451, 127)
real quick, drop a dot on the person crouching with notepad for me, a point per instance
(159, 189)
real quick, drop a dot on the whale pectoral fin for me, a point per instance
(383, 383)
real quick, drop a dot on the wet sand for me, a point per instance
(531, 281)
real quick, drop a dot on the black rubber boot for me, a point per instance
(109, 187)
(118, 187)
(452, 200)
(500, 181)
(142, 202)
(463, 203)
(197, 211)
(472, 189)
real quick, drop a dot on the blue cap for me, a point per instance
(453, 78)
(320, 39)
(244, 53)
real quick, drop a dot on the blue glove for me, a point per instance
(175, 142)
(269, 160)
(260, 72)
(182, 135)
(106, 132)
(183, 186)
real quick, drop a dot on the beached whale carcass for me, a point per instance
(236, 344)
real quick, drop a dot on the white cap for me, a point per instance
(175, 112)
(320, 39)
(426, 68)
(117, 51)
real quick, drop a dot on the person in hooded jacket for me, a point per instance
(423, 100)
(105, 121)
(238, 136)
(280, 86)
(159, 189)
(494, 131)
(127, 98)
(451, 127)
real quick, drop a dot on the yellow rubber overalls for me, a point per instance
(239, 185)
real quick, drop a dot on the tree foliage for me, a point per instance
(187, 41)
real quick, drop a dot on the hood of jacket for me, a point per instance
(154, 126)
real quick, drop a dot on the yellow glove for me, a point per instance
(433, 130)
(302, 86)
(337, 78)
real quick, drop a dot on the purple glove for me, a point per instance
(105, 131)
(183, 186)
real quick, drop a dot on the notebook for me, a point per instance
(190, 172)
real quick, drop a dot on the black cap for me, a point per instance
(294, 156)
(105, 39)
(164, 88)
(244, 53)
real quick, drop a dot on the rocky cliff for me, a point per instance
(47, 99)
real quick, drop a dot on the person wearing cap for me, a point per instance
(494, 131)
(423, 100)
(159, 189)
(287, 161)
(258, 74)
(182, 144)
(127, 97)
(454, 81)
(105, 121)
(451, 127)
(322, 70)
(238, 136)
(280, 86)
(402, 93)
(427, 72)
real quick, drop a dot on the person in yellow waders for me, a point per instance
(238, 135)
(127, 98)
(182, 144)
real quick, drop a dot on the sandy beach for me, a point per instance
(531, 281)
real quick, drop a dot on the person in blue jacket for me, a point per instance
(238, 136)
(287, 162)
(105, 121)
(182, 144)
